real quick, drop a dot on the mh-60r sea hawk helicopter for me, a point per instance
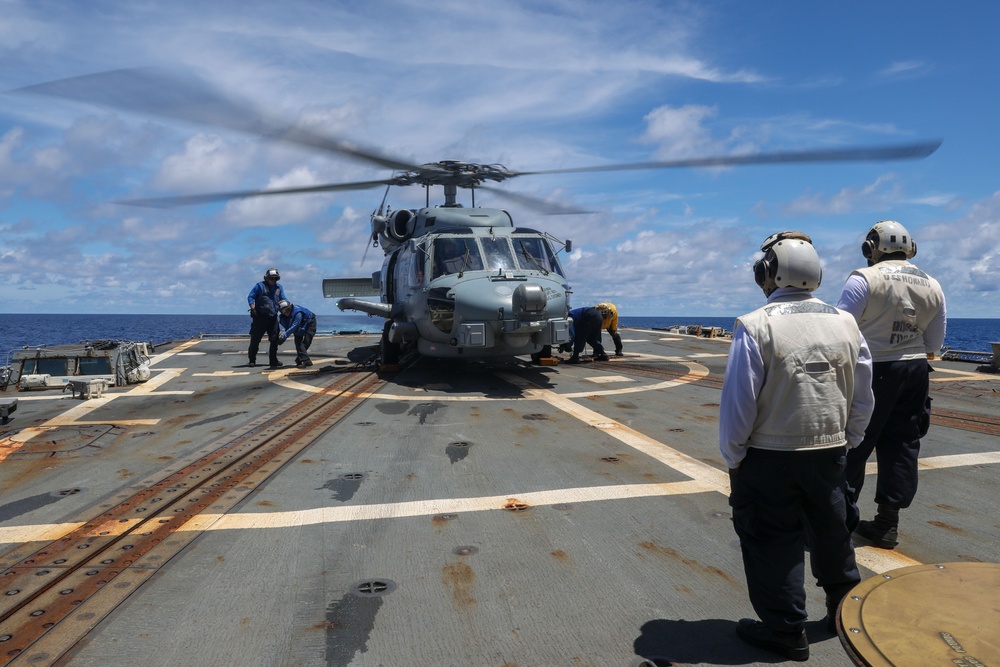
(455, 282)
(461, 282)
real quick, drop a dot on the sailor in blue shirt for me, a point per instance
(263, 300)
(585, 329)
(300, 324)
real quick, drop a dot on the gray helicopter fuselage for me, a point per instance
(467, 283)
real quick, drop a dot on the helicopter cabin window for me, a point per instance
(415, 263)
(534, 254)
(498, 254)
(452, 255)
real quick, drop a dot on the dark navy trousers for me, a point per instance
(784, 501)
(900, 418)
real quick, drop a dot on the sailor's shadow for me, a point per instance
(712, 641)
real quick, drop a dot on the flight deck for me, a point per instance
(453, 513)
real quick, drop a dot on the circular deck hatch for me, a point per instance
(945, 614)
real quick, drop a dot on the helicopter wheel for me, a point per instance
(544, 353)
(389, 352)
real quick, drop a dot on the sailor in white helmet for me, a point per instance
(795, 397)
(901, 312)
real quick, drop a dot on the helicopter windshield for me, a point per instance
(533, 253)
(498, 256)
(455, 255)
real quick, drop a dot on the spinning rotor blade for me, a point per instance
(853, 154)
(540, 205)
(189, 200)
(159, 93)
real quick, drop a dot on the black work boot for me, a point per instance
(834, 596)
(792, 645)
(882, 530)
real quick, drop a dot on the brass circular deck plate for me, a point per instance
(945, 614)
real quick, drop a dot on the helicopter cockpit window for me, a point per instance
(498, 254)
(453, 255)
(534, 254)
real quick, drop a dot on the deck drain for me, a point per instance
(373, 587)
(444, 517)
(610, 459)
(466, 551)
(460, 443)
(536, 415)
(353, 475)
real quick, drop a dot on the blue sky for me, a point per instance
(531, 85)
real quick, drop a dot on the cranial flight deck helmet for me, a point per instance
(272, 273)
(887, 237)
(789, 260)
(284, 304)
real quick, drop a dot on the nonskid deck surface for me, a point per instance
(450, 514)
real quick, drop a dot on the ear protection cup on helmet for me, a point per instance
(762, 267)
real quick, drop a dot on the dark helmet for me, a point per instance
(282, 305)
(272, 273)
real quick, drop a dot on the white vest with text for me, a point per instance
(810, 350)
(902, 301)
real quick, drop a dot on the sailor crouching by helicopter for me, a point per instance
(610, 323)
(585, 330)
(300, 324)
(263, 300)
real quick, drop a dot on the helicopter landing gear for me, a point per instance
(388, 352)
(543, 357)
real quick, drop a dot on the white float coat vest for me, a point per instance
(810, 350)
(902, 301)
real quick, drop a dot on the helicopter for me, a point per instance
(456, 282)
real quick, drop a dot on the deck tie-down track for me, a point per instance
(52, 597)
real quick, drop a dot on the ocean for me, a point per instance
(18, 330)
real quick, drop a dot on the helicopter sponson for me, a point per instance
(460, 282)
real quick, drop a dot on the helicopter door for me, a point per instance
(389, 281)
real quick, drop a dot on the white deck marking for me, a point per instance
(220, 374)
(605, 379)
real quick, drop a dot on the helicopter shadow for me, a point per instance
(711, 641)
(451, 376)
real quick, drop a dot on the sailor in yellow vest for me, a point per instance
(901, 312)
(796, 397)
(610, 323)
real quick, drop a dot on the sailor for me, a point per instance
(299, 323)
(795, 397)
(585, 329)
(263, 300)
(901, 312)
(610, 323)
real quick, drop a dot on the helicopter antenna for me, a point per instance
(384, 197)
